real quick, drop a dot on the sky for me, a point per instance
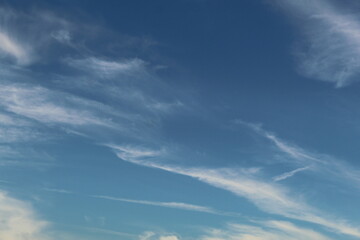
(179, 120)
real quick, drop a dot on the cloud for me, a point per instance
(321, 163)
(331, 51)
(47, 106)
(27, 36)
(269, 197)
(129, 153)
(18, 220)
(9, 46)
(169, 238)
(106, 231)
(290, 149)
(62, 36)
(154, 236)
(108, 68)
(269, 230)
(129, 81)
(57, 190)
(289, 174)
(178, 205)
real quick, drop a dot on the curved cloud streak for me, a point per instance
(331, 50)
(269, 197)
(18, 220)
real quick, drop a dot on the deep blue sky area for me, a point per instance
(179, 120)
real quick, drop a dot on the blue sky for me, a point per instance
(169, 120)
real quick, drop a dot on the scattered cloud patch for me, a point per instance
(62, 36)
(178, 205)
(55, 190)
(107, 68)
(130, 153)
(47, 106)
(10, 47)
(155, 236)
(320, 163)
(269, 197)
(18, 220)
(269, 230)
(331, 50)
(287, 175)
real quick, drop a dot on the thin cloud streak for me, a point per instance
(271, 198)
(9, 47)
(38, 103)
(107, 231)
(177, 205)
(289, 174)
(108, 68)
(18, 220)
(55, 190)
(320, 163)
(331, 51)
(268, 230)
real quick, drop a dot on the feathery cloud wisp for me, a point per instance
(154, 236)
(269, 230)
(271, 198)
(107, 68)
(18, 220)
(332, 46)
(41, 104)
(322, 163)
(9, 46)
(178, 205)
(289, 174)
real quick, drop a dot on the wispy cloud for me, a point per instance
(18, 221)
(157, 236)
(178, 205)
(109, 68)
(269, 230)
(106, 231)
(129, 153)
(46, 106)
(321, 163)
(9, 46)
(331, 51)
(271, 198)
(290, 149)
(56, 190)
(24, 33)
(289, 174)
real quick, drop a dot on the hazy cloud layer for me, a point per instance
(331, 48)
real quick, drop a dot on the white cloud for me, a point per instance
(9, 46)
(169, 238)
(62, 36)
(57, 190)
(18, 220)
(24, 33)
(129, 152)
(47, 106)
(155, 236)
(269, 197)
(105, 231)
(290, 149)
(178, 205)
(321, 163)
(332, 49)
(108, 68)
(269, 230)
(289, 174)
(146, 235)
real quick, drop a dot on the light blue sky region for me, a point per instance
(169, 120)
